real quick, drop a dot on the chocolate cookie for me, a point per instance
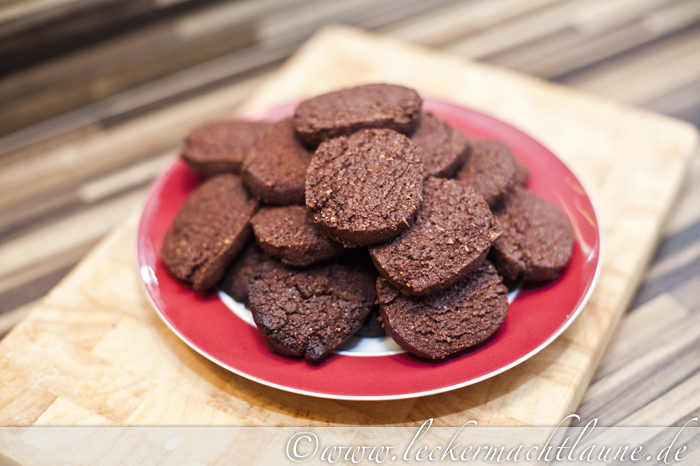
(537, 238)
(365, 188)
(490, 170)
(372, 327)
(310, 312)
(346, 111)
(521, 173)
(235, 281)
(448, 321)
(275, 169)
(442, 148)
(453, 232)
(211, 228)
(290, 234)
(220, 147)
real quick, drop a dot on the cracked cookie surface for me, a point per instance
(221, 147)
(537, 238)
(212, 227)
(363, 107)
(490, 170)
(290, 234)
(365, 188)
(235, 281)
(453, 232)
(443, 149)
(448, 321)
(275, 169)
(309, 312)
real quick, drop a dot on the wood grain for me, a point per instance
(28, 175)
(446, 25)
(96, 332)
(582, 50)
(141, 55)
(575, 47)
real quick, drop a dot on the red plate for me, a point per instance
(535, 318)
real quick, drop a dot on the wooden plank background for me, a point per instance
(87, 125)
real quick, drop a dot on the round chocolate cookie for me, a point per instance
(537, 238)
(349, 110)
(448, 321)
(453, 232)
(220, 147)
(275, 169)
(365, 188)
(290, 234)
(490, 170)
(235, 281)
(310, 312)
(372, 327)
(442, 149)
(210, 230)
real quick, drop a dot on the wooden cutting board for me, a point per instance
(95, 353)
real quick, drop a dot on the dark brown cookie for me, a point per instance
(235, 281)
(346, 111)
(521, 173)
(290, 234)
(310, 312)
(448, 321)
(220, 147)
(372, 327)
(365, 188)
(537, 238)
(490, 170)
(210, 230)
(453, 232)
(442, 148)
(275, 169)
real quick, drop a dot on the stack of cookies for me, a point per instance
(368, 216)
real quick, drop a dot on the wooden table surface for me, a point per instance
(87, 127)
